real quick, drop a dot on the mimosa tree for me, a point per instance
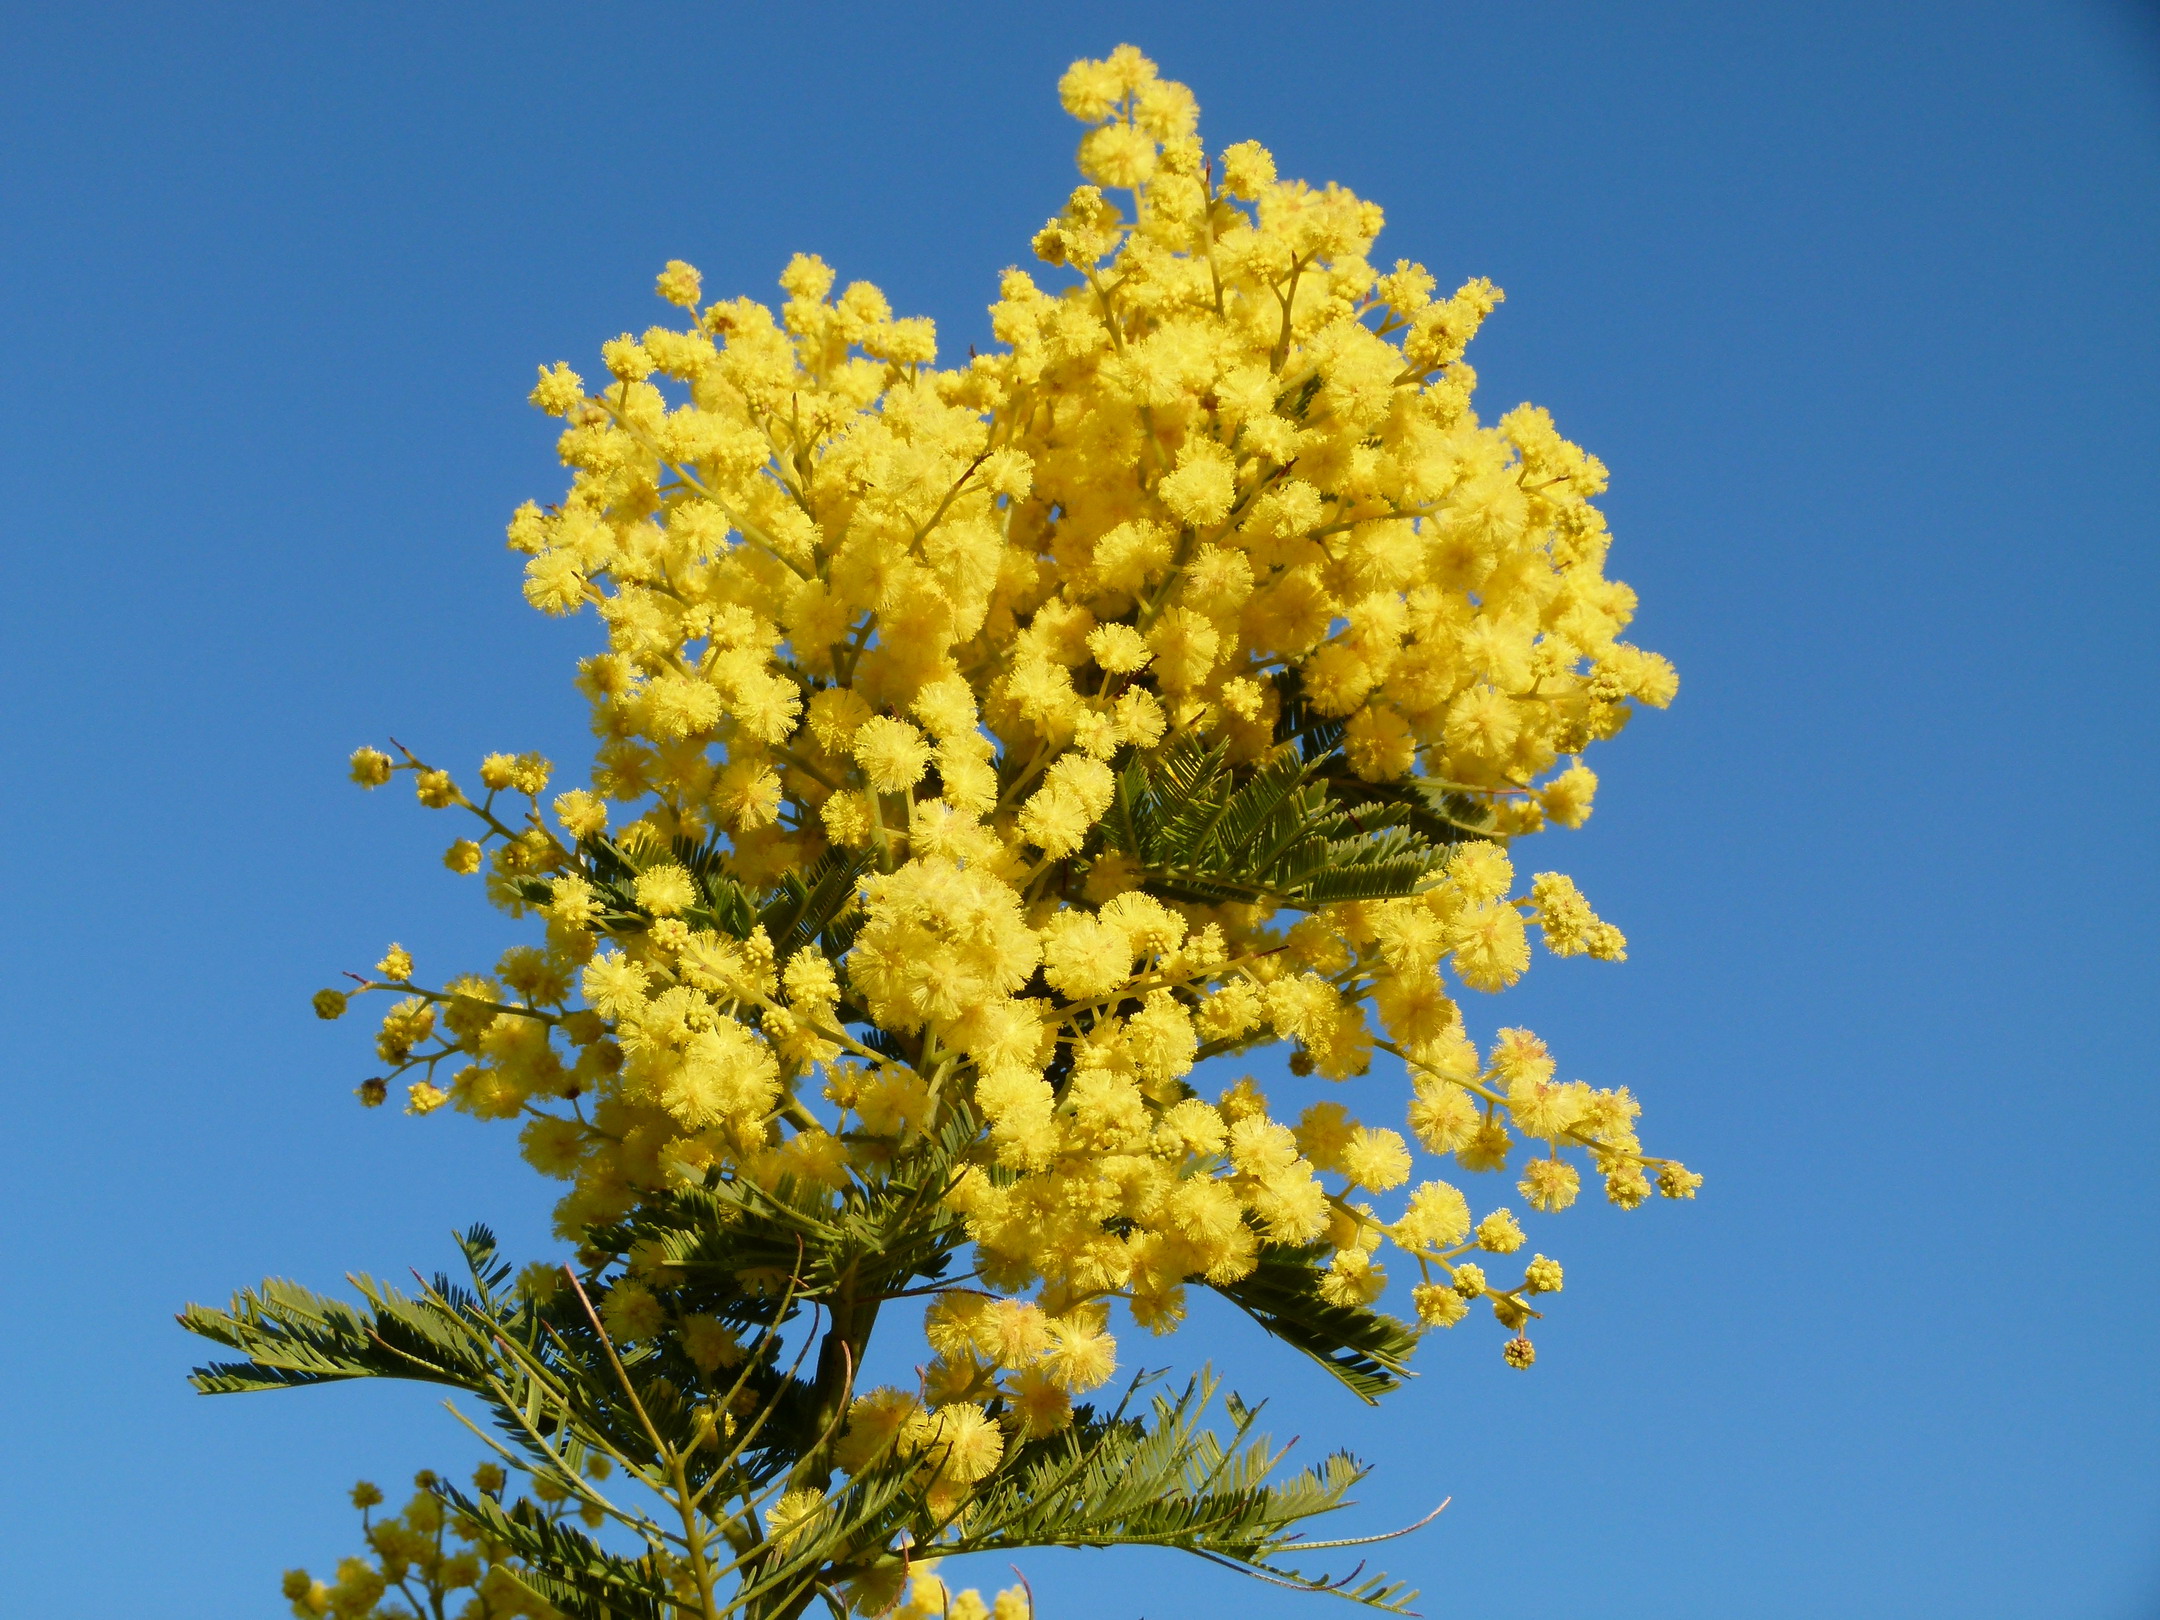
(981, 749)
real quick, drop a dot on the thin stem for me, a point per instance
(660, 1446)
(701, 1570)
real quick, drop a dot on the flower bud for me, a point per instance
(1677, 1181)
(436, 790)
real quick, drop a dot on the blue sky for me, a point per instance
(1857, 301)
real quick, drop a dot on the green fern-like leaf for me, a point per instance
(1165, 1480)
(813, 907)
(1369, 1352)
(1203, 832)
(565, 1568)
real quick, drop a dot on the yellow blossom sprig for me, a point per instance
(862, 609)
(422, 1558)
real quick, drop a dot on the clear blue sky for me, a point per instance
(1859, 303)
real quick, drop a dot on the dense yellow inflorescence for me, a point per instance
(857, 601)
(424, 1563)
(429, 1563)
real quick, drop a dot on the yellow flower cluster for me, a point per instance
(902, 627)
(418, 1562)
(929, 1598)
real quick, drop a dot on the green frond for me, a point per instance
(1435, 814)
(814, 907)
(1370, 1352)
(1202, 832)
(1166, 1481)
(293, 1337)
(1314, 735)
(564, 1567)
(891, 1232)
(546, 1379)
